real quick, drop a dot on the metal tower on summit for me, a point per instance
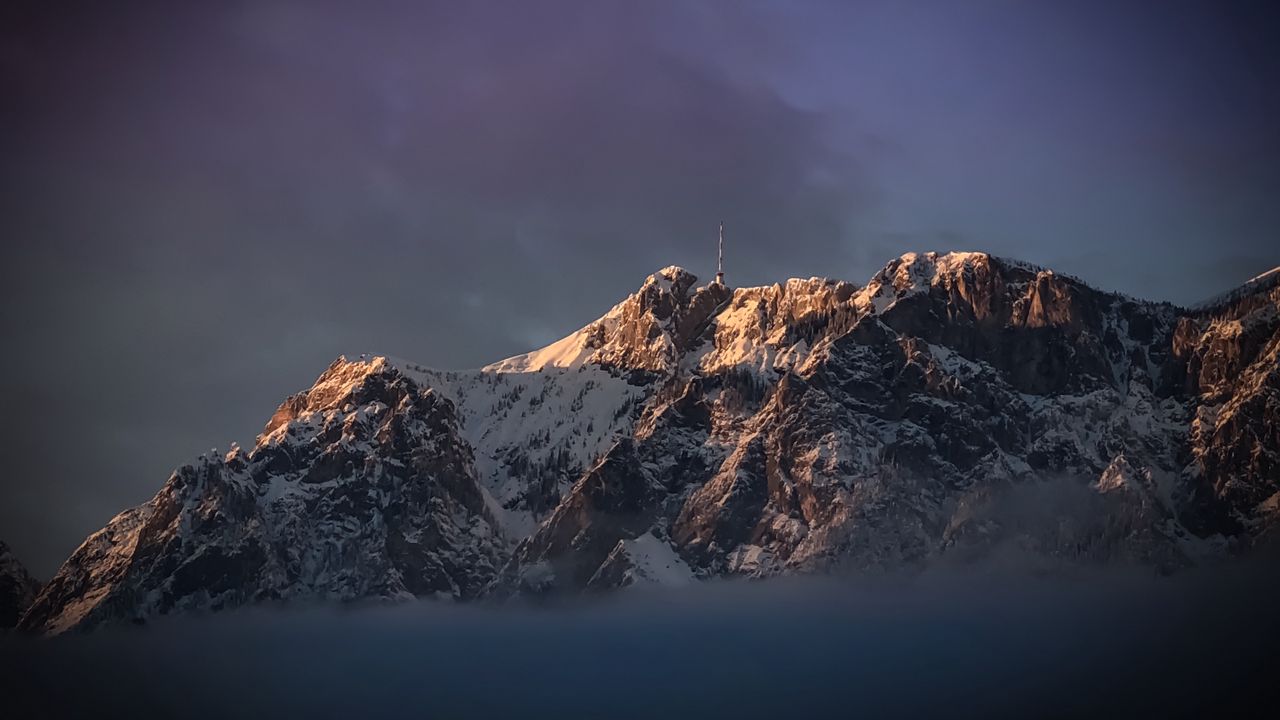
(720, 258)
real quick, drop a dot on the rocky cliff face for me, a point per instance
(1228, 355)
(17, 588)
(954, 404)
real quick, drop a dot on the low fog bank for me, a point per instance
(959, 642)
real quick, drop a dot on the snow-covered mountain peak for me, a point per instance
(343, 375)
(772, 326)
(929, 268)
(337, 386)
(914, 274)
(673, 279)
(648, 331)
(701, 431)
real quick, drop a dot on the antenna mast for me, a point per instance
(720, 258)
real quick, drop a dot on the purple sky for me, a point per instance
(204, 203)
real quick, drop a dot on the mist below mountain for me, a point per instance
(962, 641)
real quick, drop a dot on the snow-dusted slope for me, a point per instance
(955, 403)
(534, 433)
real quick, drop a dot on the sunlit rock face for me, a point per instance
(955, 405)
(649, 332)
(1229, 352)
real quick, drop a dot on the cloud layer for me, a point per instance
(964, 642)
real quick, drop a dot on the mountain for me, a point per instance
(17, 588)
(955, 404)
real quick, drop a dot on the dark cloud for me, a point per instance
(204, 203)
